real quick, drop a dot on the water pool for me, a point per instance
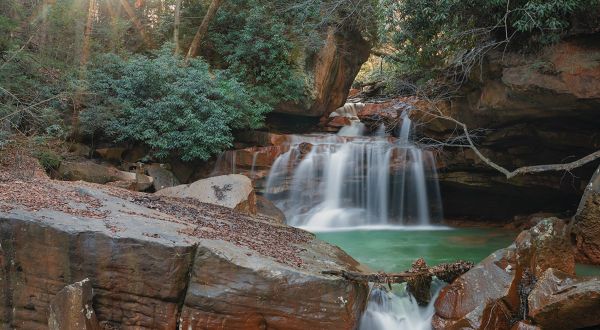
(395, 250)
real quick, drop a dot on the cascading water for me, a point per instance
(387, 310)
(350, 180)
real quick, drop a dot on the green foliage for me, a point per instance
(256, 46)
(431, 34)
(171, 107)
(6, 25)
(48, 159)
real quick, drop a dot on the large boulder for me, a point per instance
(586, 227)
(90, 171)
(162, 177)
(234, 191)
(470, 300)
(494, 291)
(71, 308)
(266, 208)
(560, 301)
(159, 263)
(332, 69)
(546, 245)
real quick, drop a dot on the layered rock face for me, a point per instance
(164, 263)
(332, 69)
(534, 109)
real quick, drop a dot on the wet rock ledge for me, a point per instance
(163, 263)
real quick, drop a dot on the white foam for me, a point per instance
(327, 229)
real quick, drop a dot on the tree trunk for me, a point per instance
(83, 61)
(45, 11)
(176, 26)
(89, 25)
(203, 28)
(114, 10)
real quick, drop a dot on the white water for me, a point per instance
(352, 180)
(356, 182)
(397, 311)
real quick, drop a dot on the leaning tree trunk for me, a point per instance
(203, 28)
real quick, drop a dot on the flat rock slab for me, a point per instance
(159, 263)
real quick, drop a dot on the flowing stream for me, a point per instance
(377, 197)
(350, 181)
(395, 250)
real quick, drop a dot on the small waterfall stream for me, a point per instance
(397, 310)
(350, 181)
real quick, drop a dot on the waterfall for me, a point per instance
(351, 180)
(397, 310)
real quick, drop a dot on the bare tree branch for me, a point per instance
(436, 113)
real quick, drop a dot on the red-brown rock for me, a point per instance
(540, 109)
(266, 208)
(524, 325)
(546, 245)
(334, 69)
(387, 113)
(71, 308)
(339, 121)
(468, 302)
(559, 301)
(587, 223)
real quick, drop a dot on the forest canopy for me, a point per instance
(120, 70)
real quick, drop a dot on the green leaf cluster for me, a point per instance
(258, 48)
(430, 34)
(175, 108)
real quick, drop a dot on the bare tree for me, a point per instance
(203, 28)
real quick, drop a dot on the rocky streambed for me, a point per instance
(532, 284)
(163, 263)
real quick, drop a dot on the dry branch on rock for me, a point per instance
(445, 272)
(418, 277)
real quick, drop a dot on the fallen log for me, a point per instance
(418, 278)
(445, 272)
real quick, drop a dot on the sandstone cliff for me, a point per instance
(541, 108)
